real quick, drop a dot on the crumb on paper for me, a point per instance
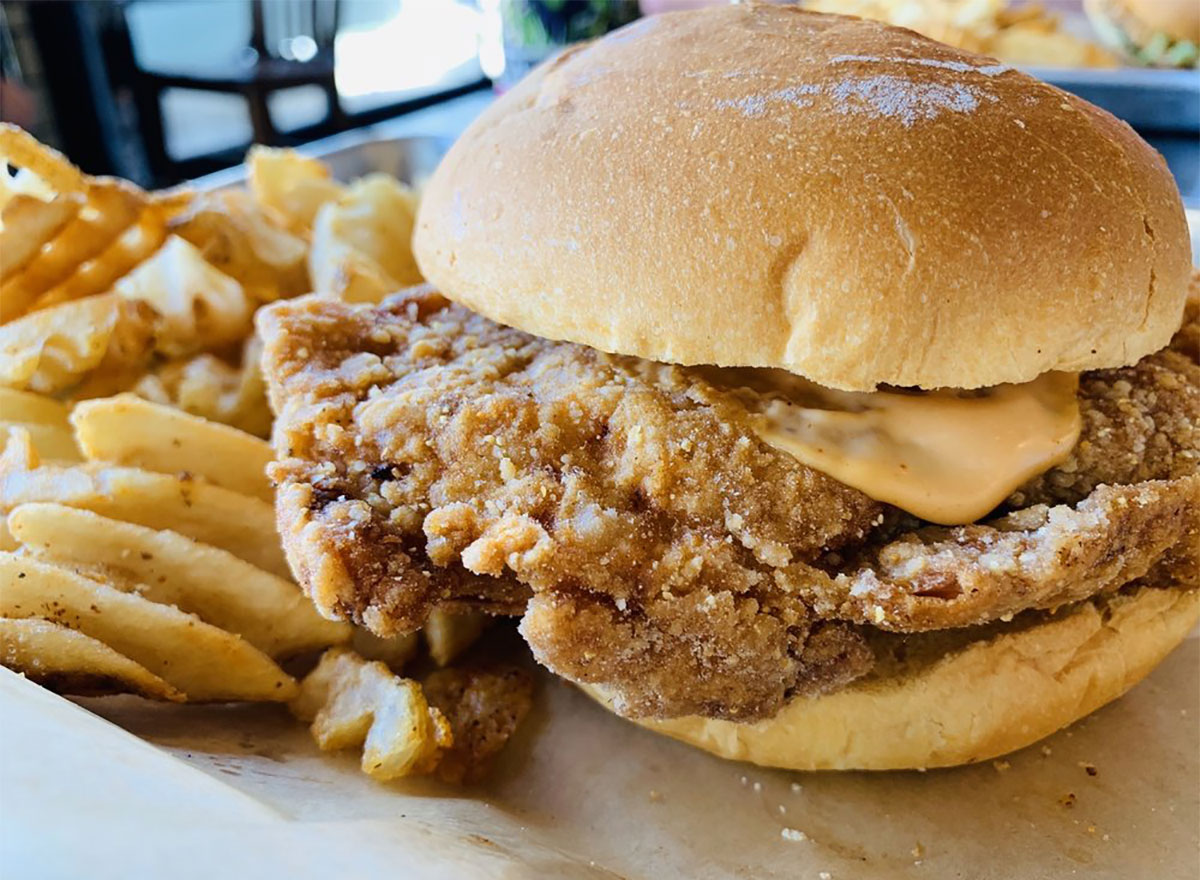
(655, 796)
(745, 781)
(825, 875)
(1046, 750)
(757, 786)
(796, 787)
(918, 850)
(782, 809)
(792, 834)
(1104, 837)
(1089, 768)
(1001, 766)
(1068, 799)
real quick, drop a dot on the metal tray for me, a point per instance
(1150, 100)
(353, 154)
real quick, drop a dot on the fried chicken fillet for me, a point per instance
(651, 541)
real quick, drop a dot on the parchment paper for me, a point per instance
(239, 791)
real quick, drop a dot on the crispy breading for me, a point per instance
(1040, 557)
(1139, 423)
(484, 706)
(427, 456)
(488, 457)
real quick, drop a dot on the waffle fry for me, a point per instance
(128, 430)
(27, 223)
(54, 349)
(135, 559)
(238, 237)
(208, 387)
(198, 305)
(202, 661)
(75, 243)
(89, 252)
(44, 418)
(351, 702)
(67, 240)
(361, 243)
(65, 660)
(122, 251)
(18, 147)
(267, 611)
(293, 186)
(137, 547)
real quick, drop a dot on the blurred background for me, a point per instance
(161, 91)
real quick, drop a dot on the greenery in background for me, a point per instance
(541, 23)
(1162, 51)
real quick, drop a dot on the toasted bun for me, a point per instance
(983, 699)
(762, 186)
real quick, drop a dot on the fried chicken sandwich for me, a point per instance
(814, 392)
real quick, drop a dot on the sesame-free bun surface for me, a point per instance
(762, 186)
(973, 702)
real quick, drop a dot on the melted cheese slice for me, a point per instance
(948, 457)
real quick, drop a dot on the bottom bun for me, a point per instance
(970, 701)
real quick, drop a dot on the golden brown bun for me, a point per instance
(762, 186)
(981, 700)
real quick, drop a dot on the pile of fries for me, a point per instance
(138, 551)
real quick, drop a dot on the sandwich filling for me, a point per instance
(948, 456)
(703, 541)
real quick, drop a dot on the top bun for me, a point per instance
(762, 186)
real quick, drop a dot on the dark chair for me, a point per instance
(291, 44)
(107, 108)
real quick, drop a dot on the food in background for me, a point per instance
(1156, 33)
(1019, 34)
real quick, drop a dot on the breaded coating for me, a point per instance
(1040, 557)
(422, 446)
(484, 706)
(657, 546)
(1139, 423)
